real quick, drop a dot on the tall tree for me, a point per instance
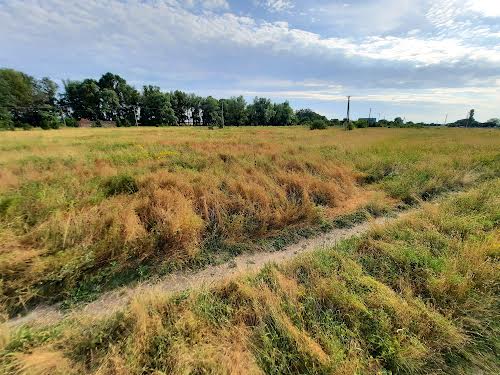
(82, 98)
(195, 103)
(128, 97)
(305, 116)
(180, 104)
(260, 112)
(283, 114)
(235, 111)
(494, 121)
(211, 112)
(23, 99)
(156, 109)
(109, 104)
(398, 121)
(470, 120)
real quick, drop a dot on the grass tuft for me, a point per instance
(419, 295)
(121, 184)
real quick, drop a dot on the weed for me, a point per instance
(419, 295)
(122, 184)
(81, 209)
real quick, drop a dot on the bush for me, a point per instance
(121, 184)
(5, 120)
(318, 124)
(71, 122)
(26, 126)
(49, 122)
(123, 122)
(6, 125)
(361, 124)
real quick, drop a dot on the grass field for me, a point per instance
(417, 296)
(84, 210)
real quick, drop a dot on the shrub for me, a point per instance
(123, 122)
(121, 184)
(49, 122)
(6, 124)
(5, 119)
(318, 125)
(361, 124)
(71, 122)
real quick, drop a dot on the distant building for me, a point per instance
(86, 123)
(369, 120)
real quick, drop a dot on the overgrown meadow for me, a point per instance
(84, 210)
(416, 296)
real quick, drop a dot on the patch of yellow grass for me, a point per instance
(198, 188)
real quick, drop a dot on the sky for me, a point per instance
(418, 59)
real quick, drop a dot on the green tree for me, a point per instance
(82, 98)
(398, 121)
(109, 104)
(181, 105)
(110, 98)
(470, 120)
(494, 121)
(156, 108)
(195, 102)
(25, 100)
(235, 111)
(361, 123)
(127, 98)
(306, 116)
(260, 112)
(283, 114)
(45, 92)
(211, 112)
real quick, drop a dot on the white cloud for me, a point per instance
(446, 96)
(215, 4)
(119, 26)
(188, 41)
(487, 8)
(206, 4)
(277, 5)
(367, 17)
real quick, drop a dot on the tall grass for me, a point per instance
(417, 296)
(85, 209)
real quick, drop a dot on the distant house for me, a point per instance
(369, 120)
(86, 123)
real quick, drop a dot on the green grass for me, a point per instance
(85, 210)
(418, 295)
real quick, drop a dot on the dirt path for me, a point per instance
(179, 281)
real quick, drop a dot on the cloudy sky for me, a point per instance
(420, 59)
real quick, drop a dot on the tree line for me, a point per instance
(29, 102)
(26, 101)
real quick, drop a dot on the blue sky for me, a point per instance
(418, 59)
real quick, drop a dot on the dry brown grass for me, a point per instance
(199, 190)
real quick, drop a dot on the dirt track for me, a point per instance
(179, 281)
